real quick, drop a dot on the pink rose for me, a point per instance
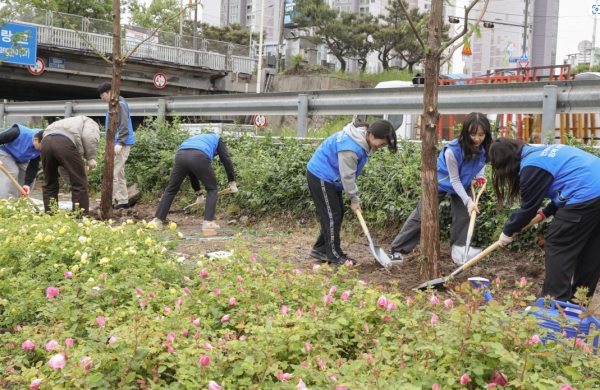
(170, 349)
(366, 327)
(166, 309)
(208, 346)
(51, 345)
(186, 290)
(186, 279)
(197, 335)
(204, 361)
(68, 274)
(196, 323)
(284, 309)
(434, 300)
(464, 379)
(213, 386)
(143, 303)
(217, 292)
(28, 345)
(433, 319)
(362, 282)
(448, 303)
(534, 340)
(151, 295)
(566, 387)
(139, 292)
(345, 295)
(203, 274)
(35, 384)
(409, 300)
(435, 387)
(185, 333)
(239, 279)
(252, 257)
(332, 290)
(341, 388)
(299, 313)
(391, 305)
(86, 363)
(100, 321)
(284, 376)
(69, 342)
(51, 292)
(103, 277)
(328, 298)
(498, 379)
(232, 302)
(225, 318)
(171, 337)
(57, 361)
(382, 302)
(523, 282)
(112, 340)
(497, 282)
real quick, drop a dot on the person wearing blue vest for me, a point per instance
(333, 168)
(20, 155)
(123, 141)
(194, 159)
(459, 163)
(570, 178)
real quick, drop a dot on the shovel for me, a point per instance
(472, 222)
(186, 208)
(21, 190)
(440, 281)
(376, 251)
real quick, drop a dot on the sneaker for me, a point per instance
(210, 225)
(318, 255)
(343, 260)
(397, 257)
(121, 206)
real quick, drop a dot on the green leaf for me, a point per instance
(161, 369)
(140, 354)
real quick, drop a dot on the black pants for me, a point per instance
(330, 207)
(410, 234)
(58, 150)
(573, 250)
(196, 162)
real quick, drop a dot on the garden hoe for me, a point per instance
(376, 251)
(440, 281)
(472, 223)
(21, 190)
(186, 208)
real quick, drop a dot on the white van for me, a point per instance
(402, 123)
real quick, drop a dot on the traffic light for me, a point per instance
(488, 25)
(453, 20)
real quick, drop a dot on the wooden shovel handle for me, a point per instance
(495, 245)
(474, 213)
(16, 183)
(362, 223)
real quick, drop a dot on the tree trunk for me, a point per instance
(410, 66)
(109, 151)
(363, 65)
(342, 63)
(430, 226)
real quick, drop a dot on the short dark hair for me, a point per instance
(104, 87)
(384, 129)
(39, 135)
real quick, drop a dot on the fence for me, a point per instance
(167, 47)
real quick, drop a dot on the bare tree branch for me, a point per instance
(465, 30)
(80, 34)
(412, 25)
(158, 28)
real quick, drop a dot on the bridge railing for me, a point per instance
(167, 47)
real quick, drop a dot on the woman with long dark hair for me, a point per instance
(570, 178)
(460, 162)
(334, 168)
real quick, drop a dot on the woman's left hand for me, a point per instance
(355, 206)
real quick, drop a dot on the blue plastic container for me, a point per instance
(482, 283)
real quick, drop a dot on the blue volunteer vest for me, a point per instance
(575, 172)
(467, 171)
(130, 139)
(206, 143)
(22, 149)
(324, 163)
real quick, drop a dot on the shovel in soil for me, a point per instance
(376, 251)
(186, 208)
(440, 281)
(472, 222)
(21, 190)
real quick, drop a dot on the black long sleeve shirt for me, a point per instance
(9, 136)
(534, 183)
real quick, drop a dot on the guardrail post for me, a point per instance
(162, 107)
(303, 115)
(68, 109)
(2, 114)
(549, 110)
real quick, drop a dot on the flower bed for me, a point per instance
(87, 304)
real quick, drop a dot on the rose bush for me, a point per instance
(132, 315)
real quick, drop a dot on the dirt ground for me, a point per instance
(291, 238)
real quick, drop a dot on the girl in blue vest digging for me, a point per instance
(194, 159)
(334, 167)
(460, 162)
(569, 177)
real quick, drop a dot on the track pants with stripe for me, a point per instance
(330, 208)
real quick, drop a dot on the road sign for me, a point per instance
(513, 60)
(594, 9)
(523, 61)
(38, 68)
(56, 63)
(23, 51)
(160, 80)
(260, 121)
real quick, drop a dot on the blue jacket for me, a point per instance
(206, 143)
(21, 149)
(324, 162)
(576, 173)
(467, 171)
(129, 140)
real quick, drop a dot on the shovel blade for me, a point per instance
(379, 255)
(435, 283)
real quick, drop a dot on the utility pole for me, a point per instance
(195, 26)
(593, 43)
(525, 27)
(180, 18)
(260, 47)
(280, 43)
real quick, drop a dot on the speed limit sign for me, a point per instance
(38, 68)
(160, 80)
(260, 121)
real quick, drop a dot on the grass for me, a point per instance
(324, 131)
(373, 78)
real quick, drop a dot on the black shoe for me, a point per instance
(318, 255)
(343, 260)
(121, 206)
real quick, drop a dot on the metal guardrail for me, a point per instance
(525, 98)
(215, 55)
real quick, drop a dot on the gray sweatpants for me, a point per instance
(16, 170)
(410, 234)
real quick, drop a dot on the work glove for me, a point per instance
(92, 164)
(118, 149)
(25, 191)
(472, 206)
(541, 213)
(200, 198)
(504, 240)
(480, 182)
(233, 187)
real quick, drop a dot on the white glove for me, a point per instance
(233, 187)
(472, 206)
(92, 164)
(25, 191)
(200, 200)
(504, 240)
(118, 149)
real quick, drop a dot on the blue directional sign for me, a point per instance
(22, 51)
(513, 60)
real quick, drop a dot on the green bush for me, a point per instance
(250, 321)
